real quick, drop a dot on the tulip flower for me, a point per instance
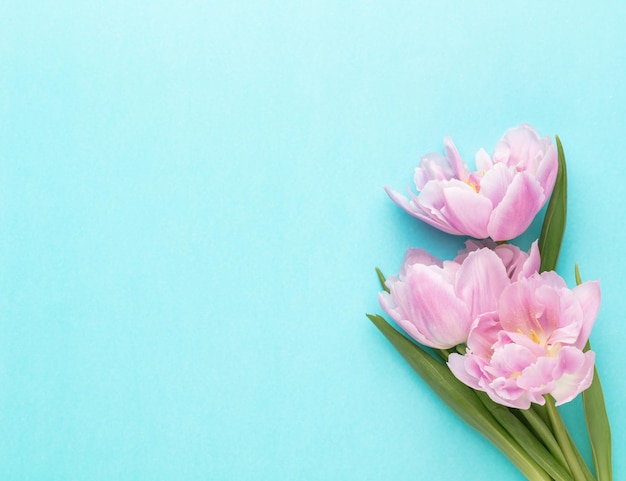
(532, 343)
(436, 302)
(518, 263)
(499, 200)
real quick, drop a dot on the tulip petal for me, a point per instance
(496, 181)
(461, 200)
(588, 295)
(512, 216)
(562, 318)
(509, 361)
(435, 310)
(419, 256)
(433, 166)
(539, 376)
(430, 216)
(431, 201)
(531, 265)
(480, 280)
(520, 147)
(577, 368)
(566, 312)
(518, 309)
(455, 159)
(547, 169)
(507, 392)
(483, 161)
(483, 335)
(400, 200)
(456, 363)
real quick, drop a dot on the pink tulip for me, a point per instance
(518, 263)
(531, 344)
(499, 200)
(436, 302)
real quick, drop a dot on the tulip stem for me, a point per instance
(545, 435)
(582, 463)
(526, 439)
(564, 440)
(542, 413)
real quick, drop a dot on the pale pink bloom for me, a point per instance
(531, 344)
(436, 302)
(518, 263)
(499, 200)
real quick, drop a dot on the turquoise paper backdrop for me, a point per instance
(192, 207)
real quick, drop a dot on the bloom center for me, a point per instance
(533, 336)
(473, 185)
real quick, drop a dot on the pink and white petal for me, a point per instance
(547, 169)
(538, 377)
(401, 200)
(518, 308)
(455, 159)
(578, 369)
(510, 360)
(449, 271)
(519, 206)
(472, 245)
(508, 254)
(433, 166)
(588, 295)
(396, 305)
(484, 334)
(567, 314)
(561, 319)
(432, 200)
(518, 146)
(512, 258)
(502, 153)
(433, 221)
(389, 305)
(419, 256)
(537, 148)
(412, 330)
(457, 365)
(483, 161)
(434, 308)
(507, 392)
(552, 279)
(518, 263)
(496, 182)
(431, 216)
(480, 280)
(532, 263)
(505, 337)
(467, 211)
(475, 366)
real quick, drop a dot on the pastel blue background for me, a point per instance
(191, 209)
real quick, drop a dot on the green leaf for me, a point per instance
(461, 399)
(562, 436)
(554, 222)
(381, 279)
(582, 462)
(544, 432)
(579, 279)
(526, 439)
(598, 428)
(597, 420)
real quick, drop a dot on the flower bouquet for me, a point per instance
(496, 332)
